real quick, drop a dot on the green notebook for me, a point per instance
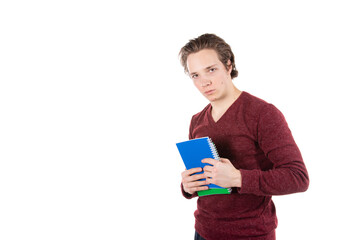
(213, 191)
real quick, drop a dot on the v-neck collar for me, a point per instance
(210, 117)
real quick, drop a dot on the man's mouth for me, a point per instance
(209, 92)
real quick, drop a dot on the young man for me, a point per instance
(259, 155)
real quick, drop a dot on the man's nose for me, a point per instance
(206, 82)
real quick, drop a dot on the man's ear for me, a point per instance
(229, 66)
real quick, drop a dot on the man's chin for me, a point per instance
(212, 99)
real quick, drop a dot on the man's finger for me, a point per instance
(195, 184)
(196, 177)
(209, 160)
(194, 170)
(200, 188)
(208, 168)
(209, 181)
(208, 175)
(224, 160)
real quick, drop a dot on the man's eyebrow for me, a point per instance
(192, 73)
(209, 67)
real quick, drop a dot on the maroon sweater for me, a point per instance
(255, 137)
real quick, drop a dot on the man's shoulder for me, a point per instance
(257, 107)
(200, 116)
(252, 101)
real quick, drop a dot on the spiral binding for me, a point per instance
(213, 149)
(216, 157)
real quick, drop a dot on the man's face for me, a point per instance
(210, 76)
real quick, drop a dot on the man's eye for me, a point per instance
(212, 69)
(194, 76)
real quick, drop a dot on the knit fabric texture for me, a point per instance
(255, 137)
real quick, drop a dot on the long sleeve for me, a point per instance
(289, 174)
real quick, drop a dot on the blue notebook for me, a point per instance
(195, 150)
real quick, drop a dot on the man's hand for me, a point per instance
(190, 180)
(222, 173)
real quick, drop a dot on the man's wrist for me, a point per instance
(237, 179)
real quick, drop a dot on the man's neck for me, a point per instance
(220, 106)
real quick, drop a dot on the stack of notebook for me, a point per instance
(195, 150)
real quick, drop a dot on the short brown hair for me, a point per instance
(209, 41)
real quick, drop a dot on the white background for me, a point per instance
(93, 100)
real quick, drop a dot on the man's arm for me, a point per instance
(289, 174)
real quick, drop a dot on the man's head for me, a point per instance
(209, 41)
